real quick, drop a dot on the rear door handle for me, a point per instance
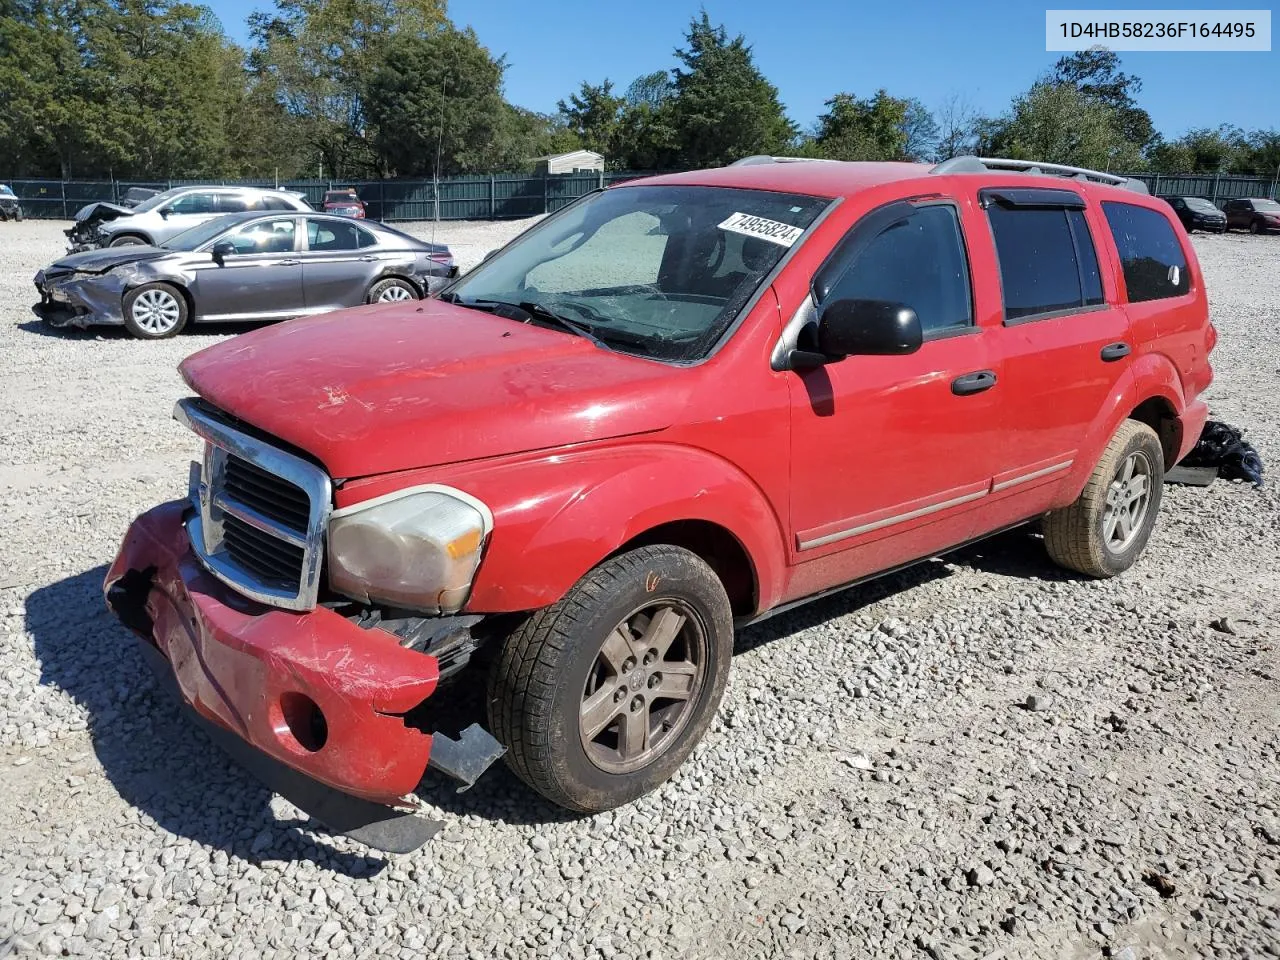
(973, 383)
(1115, 351)
(368, 259)
(288, 263)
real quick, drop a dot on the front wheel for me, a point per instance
(154, 311)
(128, 240)
(392, 290)
(600, 697)
(1105, 531)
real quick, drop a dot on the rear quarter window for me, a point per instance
(1155, 265)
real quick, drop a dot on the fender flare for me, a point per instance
(611, 497)
(1151, 376)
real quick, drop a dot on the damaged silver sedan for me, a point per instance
(241, 267)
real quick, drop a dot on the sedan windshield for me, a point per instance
(1266, 206)
(653, 270)
(1201, 206)
(201, 233)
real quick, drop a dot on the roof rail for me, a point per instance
(765, 158)
(983, 164)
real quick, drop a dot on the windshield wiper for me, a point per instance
(531, 310)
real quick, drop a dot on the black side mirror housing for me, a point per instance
(164, 212)
(879, 328)
(223, 249)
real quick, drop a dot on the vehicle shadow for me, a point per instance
(196, 331)
(158, 761)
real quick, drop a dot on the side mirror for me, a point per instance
(489, 255)
(862, 327)
(223, 249)
(164, 212)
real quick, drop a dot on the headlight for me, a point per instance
(417, 548)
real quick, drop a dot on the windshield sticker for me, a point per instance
(782, 234)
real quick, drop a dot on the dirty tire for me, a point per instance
(1074, 535)
(392, 290)
(539, 681)
(128, 240)
(1255, 227)
(167, 316)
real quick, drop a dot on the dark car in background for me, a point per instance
(240, 267)
(1255, 214)
(1197, 213)
(344, 203)
(10, 208)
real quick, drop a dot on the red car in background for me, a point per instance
(344, 203)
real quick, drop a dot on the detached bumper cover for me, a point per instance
(312, 690)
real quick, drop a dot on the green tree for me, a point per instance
(1204, 150)
(1260, 155)
(594, 115)
(318, 56)
(870, 129)
(1097, 75)
(439, 95)
(723, 108)
(1056, 123)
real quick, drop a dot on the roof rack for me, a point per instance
(985, 164)
(765, 158)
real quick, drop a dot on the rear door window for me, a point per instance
(1155, 266)
(1048, 264)
(329, 235)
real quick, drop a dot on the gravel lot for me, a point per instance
(875, 784)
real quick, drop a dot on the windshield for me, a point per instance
(1266, 206)
(5, 191)
(653, 270)
(152, 202)
(1203, 206)
(202, 233)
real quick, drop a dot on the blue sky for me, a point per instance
(982, 50)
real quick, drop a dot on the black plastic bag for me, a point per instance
(1224, 447)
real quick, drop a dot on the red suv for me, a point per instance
(345, 203)
(678, 406)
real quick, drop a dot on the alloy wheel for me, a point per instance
(394, 294)
(156, 311)
(1128, 499)
(643, 684)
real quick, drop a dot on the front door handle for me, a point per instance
(288, 263)
(1115, 351)
(973, 383)
(368, 259)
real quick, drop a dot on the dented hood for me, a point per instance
(99, 212)
(390, 387)
(107, 258)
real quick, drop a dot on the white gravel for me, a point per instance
(976, 758)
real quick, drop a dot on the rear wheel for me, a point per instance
(155, 311)
(600, 697)
(128, 240)
(1105, 531)
(392, 290)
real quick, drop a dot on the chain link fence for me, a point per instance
(496, 196)
(501, 196)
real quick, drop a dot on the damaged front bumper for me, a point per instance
(80, 300)
(314, 704)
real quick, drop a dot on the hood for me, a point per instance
(98, 212)
(100, 261)
(391, 387)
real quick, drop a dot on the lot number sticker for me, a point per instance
(782, 234)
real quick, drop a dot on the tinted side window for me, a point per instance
(196, 203)
(237, 203)
(1047, 260)
(276, 203)
(325, 235)
(1155, 266)
(918, 261)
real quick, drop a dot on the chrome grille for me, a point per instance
(261, 513)
(267, 493)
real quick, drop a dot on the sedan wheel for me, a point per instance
(154, 311)
(393, 290)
